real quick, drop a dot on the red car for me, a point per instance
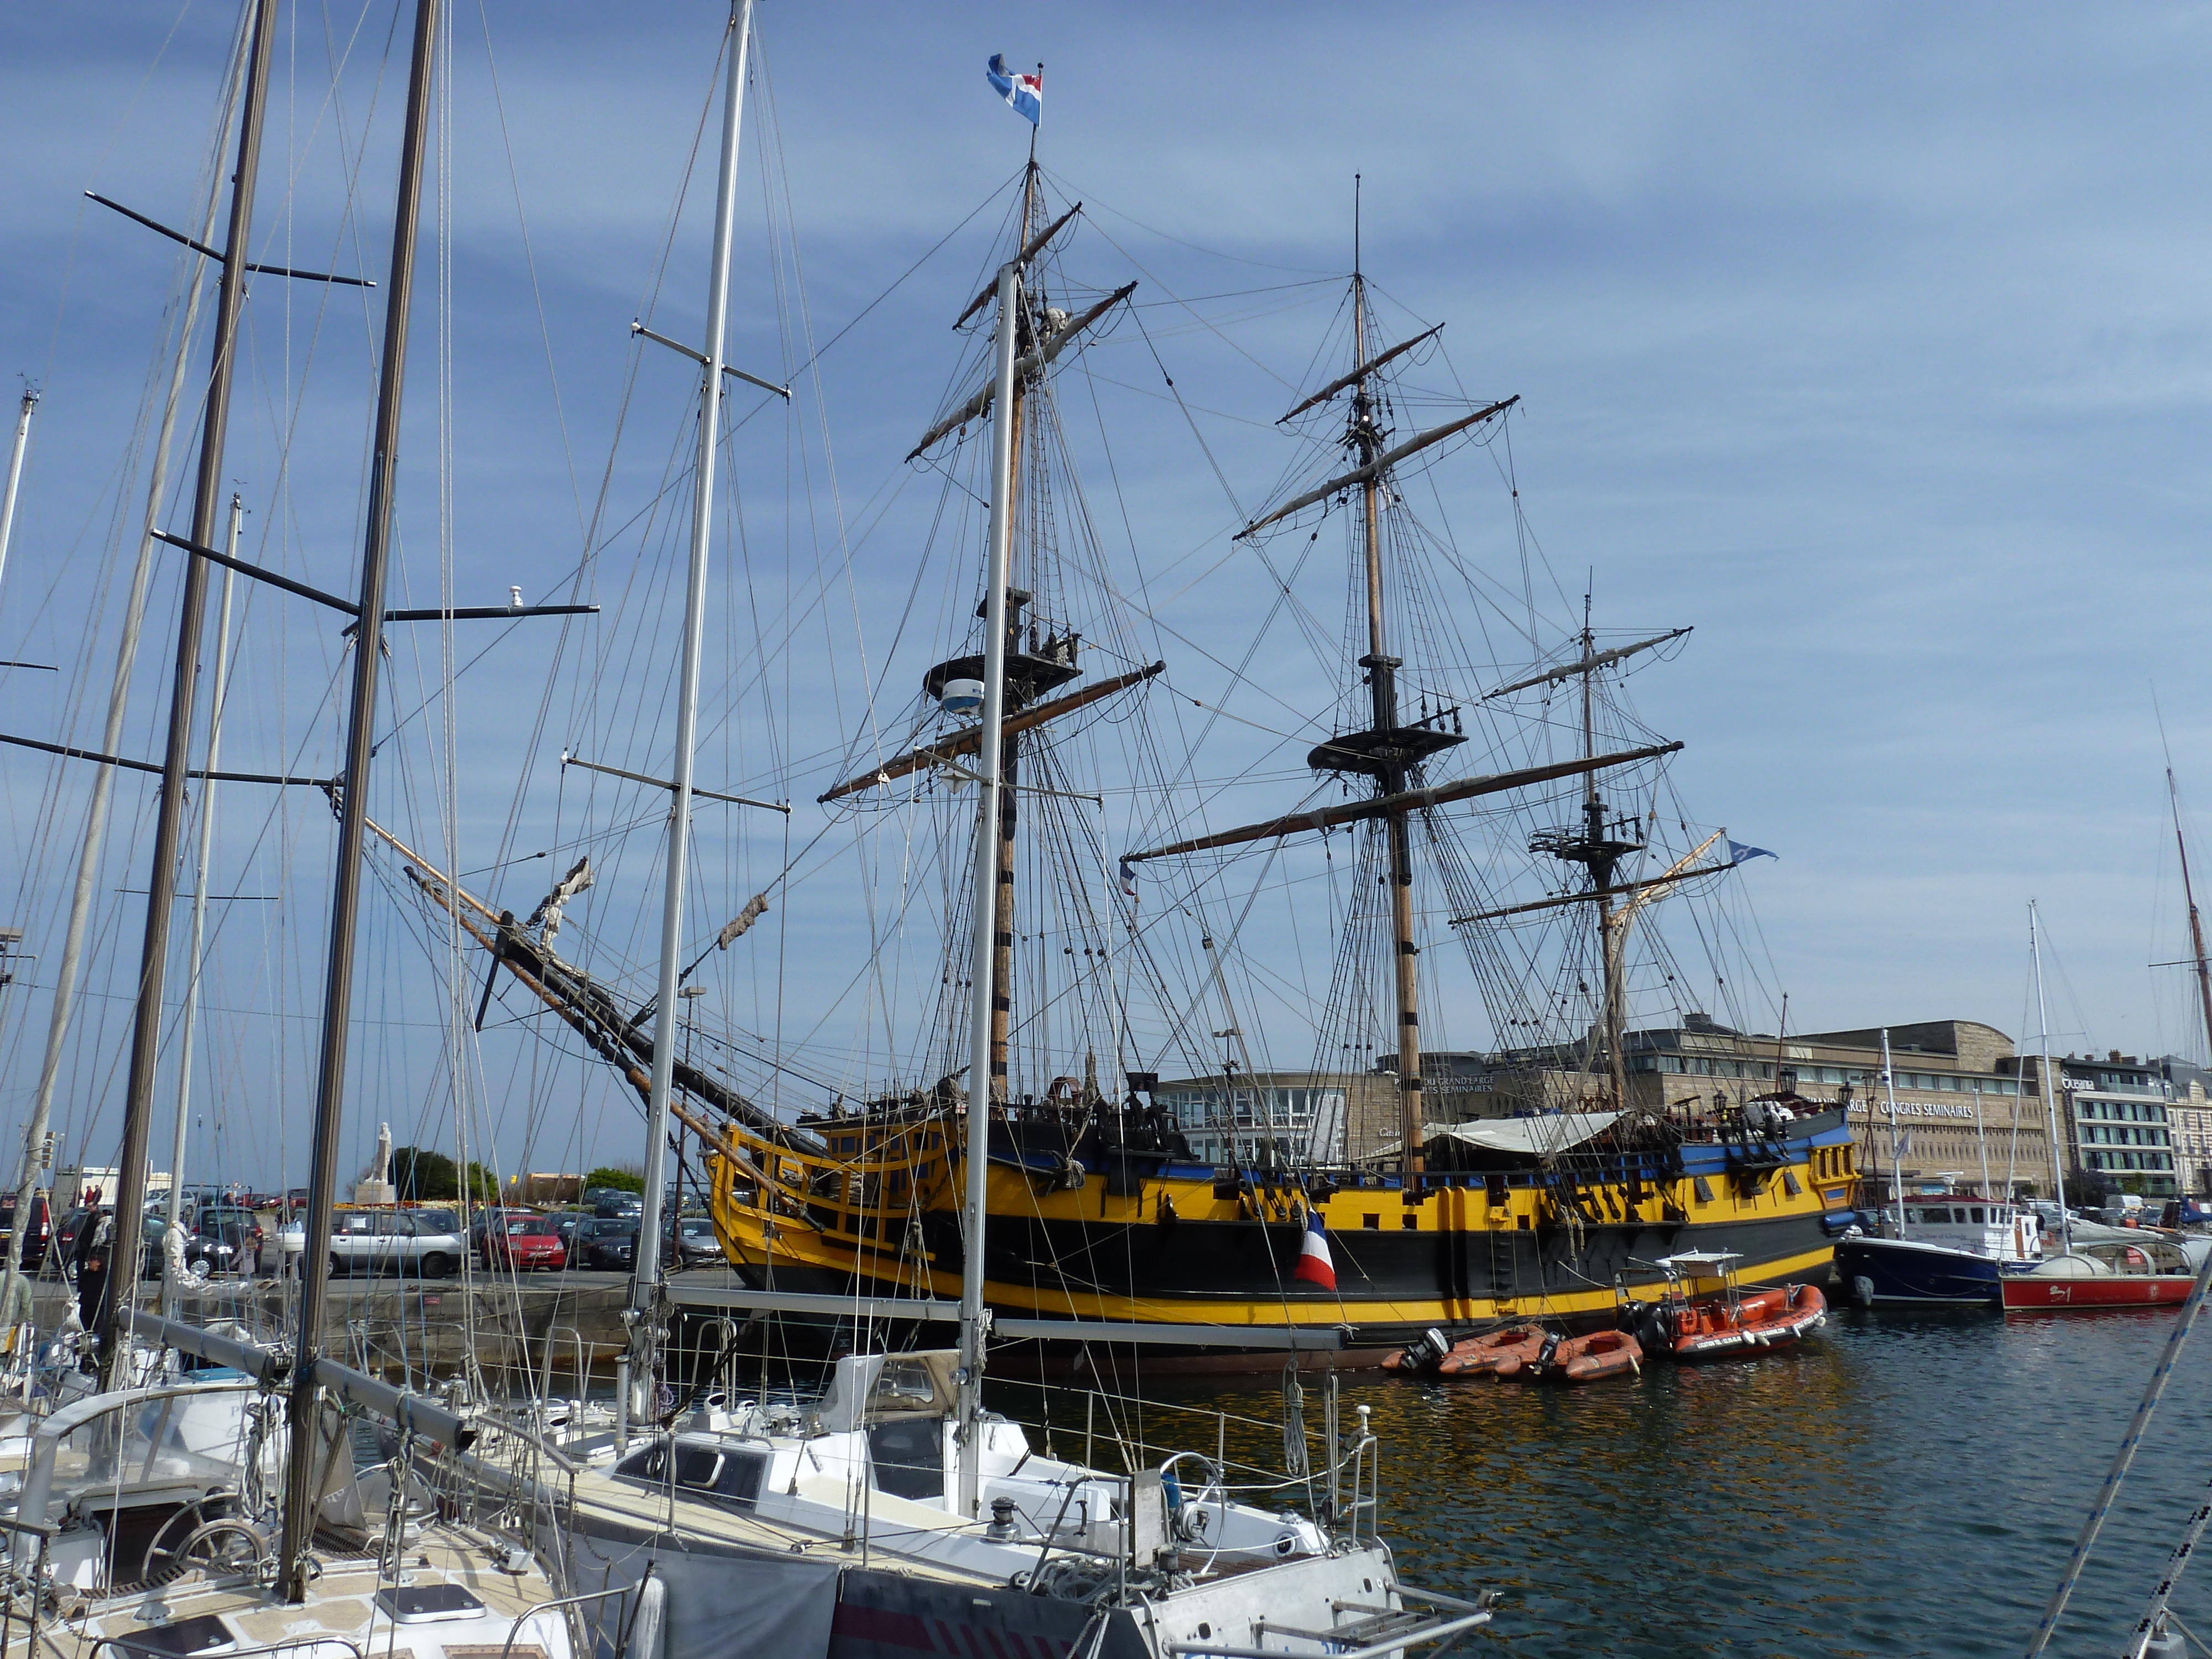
(526, 1241)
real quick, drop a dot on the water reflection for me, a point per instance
(1902, 1486)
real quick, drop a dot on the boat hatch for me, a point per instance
(908, 1456)
(182, 1639)
(428, 1604)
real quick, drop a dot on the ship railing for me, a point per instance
(1339, 1496)
(319, 1646)
(570, 1608)
(1380, 1632)
(30, 1584)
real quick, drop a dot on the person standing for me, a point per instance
(95, 1247)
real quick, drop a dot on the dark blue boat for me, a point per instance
(1877, 1272)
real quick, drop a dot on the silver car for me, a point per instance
(383, 1241)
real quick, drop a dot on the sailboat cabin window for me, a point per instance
(696, 1465)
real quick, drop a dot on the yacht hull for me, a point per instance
(2036, 1293)
(1904, 1273)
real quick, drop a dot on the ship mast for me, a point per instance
(2196, 921)
(2050, 1093)
(191, 623)
(1366, 435)
(1002, 884)
(985, 1055)
(645, 1280)
(302, 1489)
(1611, 931)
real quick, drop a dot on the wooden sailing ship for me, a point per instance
(1098, 1209)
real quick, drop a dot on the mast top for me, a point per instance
(1355, 227)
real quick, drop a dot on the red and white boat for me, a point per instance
(2146, 1273)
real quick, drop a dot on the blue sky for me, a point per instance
(1868, 340)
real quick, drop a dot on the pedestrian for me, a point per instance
(96, 1246)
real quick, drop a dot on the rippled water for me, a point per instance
(1900, 1485)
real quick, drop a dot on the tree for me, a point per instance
(626, 1180)
(483, 1186)
(420, 1175)
(2086, 1189)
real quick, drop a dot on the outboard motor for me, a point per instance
(1425, 1350)
(1542, 1361)
(1651, 1327)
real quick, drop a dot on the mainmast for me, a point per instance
(2050, 1091)
(985, 1059)
(302, 1485)
(1002, 888)
(645, 1281)
(1390, 775)
(191, 623)
(1896, 1156)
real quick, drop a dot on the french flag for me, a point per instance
(1313, 1263)
(1025, 93)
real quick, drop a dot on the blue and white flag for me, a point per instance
(1739, 854)
(1025, 93)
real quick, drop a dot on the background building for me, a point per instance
(2189, 1114)
(1267, 1118)
(2112, 1113)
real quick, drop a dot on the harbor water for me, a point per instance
(1898, 1486)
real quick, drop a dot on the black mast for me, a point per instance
(191, 623)
(300, 1483)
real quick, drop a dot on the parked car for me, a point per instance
(38, 1238)
(615, 1204)
(489, 1219)
(210, 1255)
(567, 1223)
(696, 1246)
(239, 1228)
(608, 1242)
(380, 1241)
(526, 1242)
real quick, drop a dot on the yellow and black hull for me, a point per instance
(1180, 1246)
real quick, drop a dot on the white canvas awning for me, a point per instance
(1530, 1137)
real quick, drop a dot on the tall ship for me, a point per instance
(1530, 823)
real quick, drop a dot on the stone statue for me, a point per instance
(375, 1184)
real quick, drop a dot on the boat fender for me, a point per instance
(1862, 1291)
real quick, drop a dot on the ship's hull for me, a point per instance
(1902, 1273)
(2037, 1293)
(1181, 1247)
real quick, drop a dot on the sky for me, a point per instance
(1867, 340)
